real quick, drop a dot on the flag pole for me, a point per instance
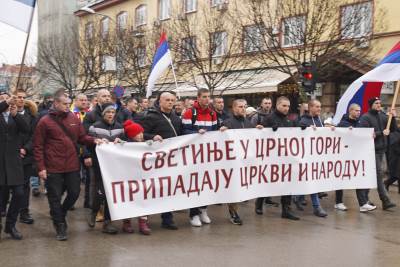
(176, 82)
(26, 47)
(396, 93)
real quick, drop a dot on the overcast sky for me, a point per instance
(12, 42)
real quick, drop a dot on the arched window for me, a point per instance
(141, 15)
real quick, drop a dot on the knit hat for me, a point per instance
(132, 129)
(371, 101)
(106, 107)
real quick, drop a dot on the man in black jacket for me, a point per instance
(352, 120)
(12, 125)
(160, 122)
(237, 121)
(279, 119)
(27, 110)
(219, 106)
(378, 120)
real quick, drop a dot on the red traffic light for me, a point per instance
(308, 75)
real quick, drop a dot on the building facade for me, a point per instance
(219, 45)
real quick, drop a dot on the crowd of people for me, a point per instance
(53, 144)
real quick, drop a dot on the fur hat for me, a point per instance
(132, 129)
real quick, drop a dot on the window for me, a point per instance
(190, 5)
(141, 15)
(215, 3)
(88, 65)
(356, 20)
(220, 40)
(164, 6)
(122, 20)
(253, 39)
(293, 30)
(103, 62)
(89, 31)
(105, 27)
(141, 56)
(188, 48)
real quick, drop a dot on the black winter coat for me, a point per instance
(27, 138)
(154, 123)
(378, 121)
(277, 120)
(237, 122)
(11, 168)
(346, 122)
(95, 115)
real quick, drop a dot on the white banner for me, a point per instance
(237, 165)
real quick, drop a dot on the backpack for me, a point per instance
(194, 115)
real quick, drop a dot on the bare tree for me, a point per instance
(58, 60)
(283, 34)
(207, 47)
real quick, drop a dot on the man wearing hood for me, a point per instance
(56, 151)
(28, 110)
(378, 120)
(200, 119)
(160, 122)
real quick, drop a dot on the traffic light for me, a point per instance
(308, 77)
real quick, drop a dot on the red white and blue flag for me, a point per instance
(161, 61)
(370, 84)
(17, 13)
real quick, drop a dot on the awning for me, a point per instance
(246, 82)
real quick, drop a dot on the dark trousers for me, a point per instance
(362, 196)
(339, 196)
(17, 192)
(56, 183)
(100, 197)
(27, 188)
(4, 198)
(85, 178)
(196, 211)
(286, 200)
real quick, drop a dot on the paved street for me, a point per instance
(342, 239)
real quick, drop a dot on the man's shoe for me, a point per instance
(259, 206)
(61, 231)
(195, 221)
(268, 201)
(235, 219)
(204, 216)
(91, 219)
(109, 228)
(127, 226)
(36, 192)
(169, 226)
(367, 207)
(144, 227)
(319, 212)
(341, 207)
(287, 214)
(26, 218)
(13, 232)
(388, 205)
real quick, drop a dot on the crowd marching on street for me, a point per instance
(49, 149)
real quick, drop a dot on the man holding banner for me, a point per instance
(200, 119)
(378, 120)
(162, 123)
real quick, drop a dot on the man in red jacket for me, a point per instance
(56, 153)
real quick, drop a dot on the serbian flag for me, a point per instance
(17, 13)
(161, 61)
(370, 84)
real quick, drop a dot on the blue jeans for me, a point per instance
(314, 199)
(35, 182)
